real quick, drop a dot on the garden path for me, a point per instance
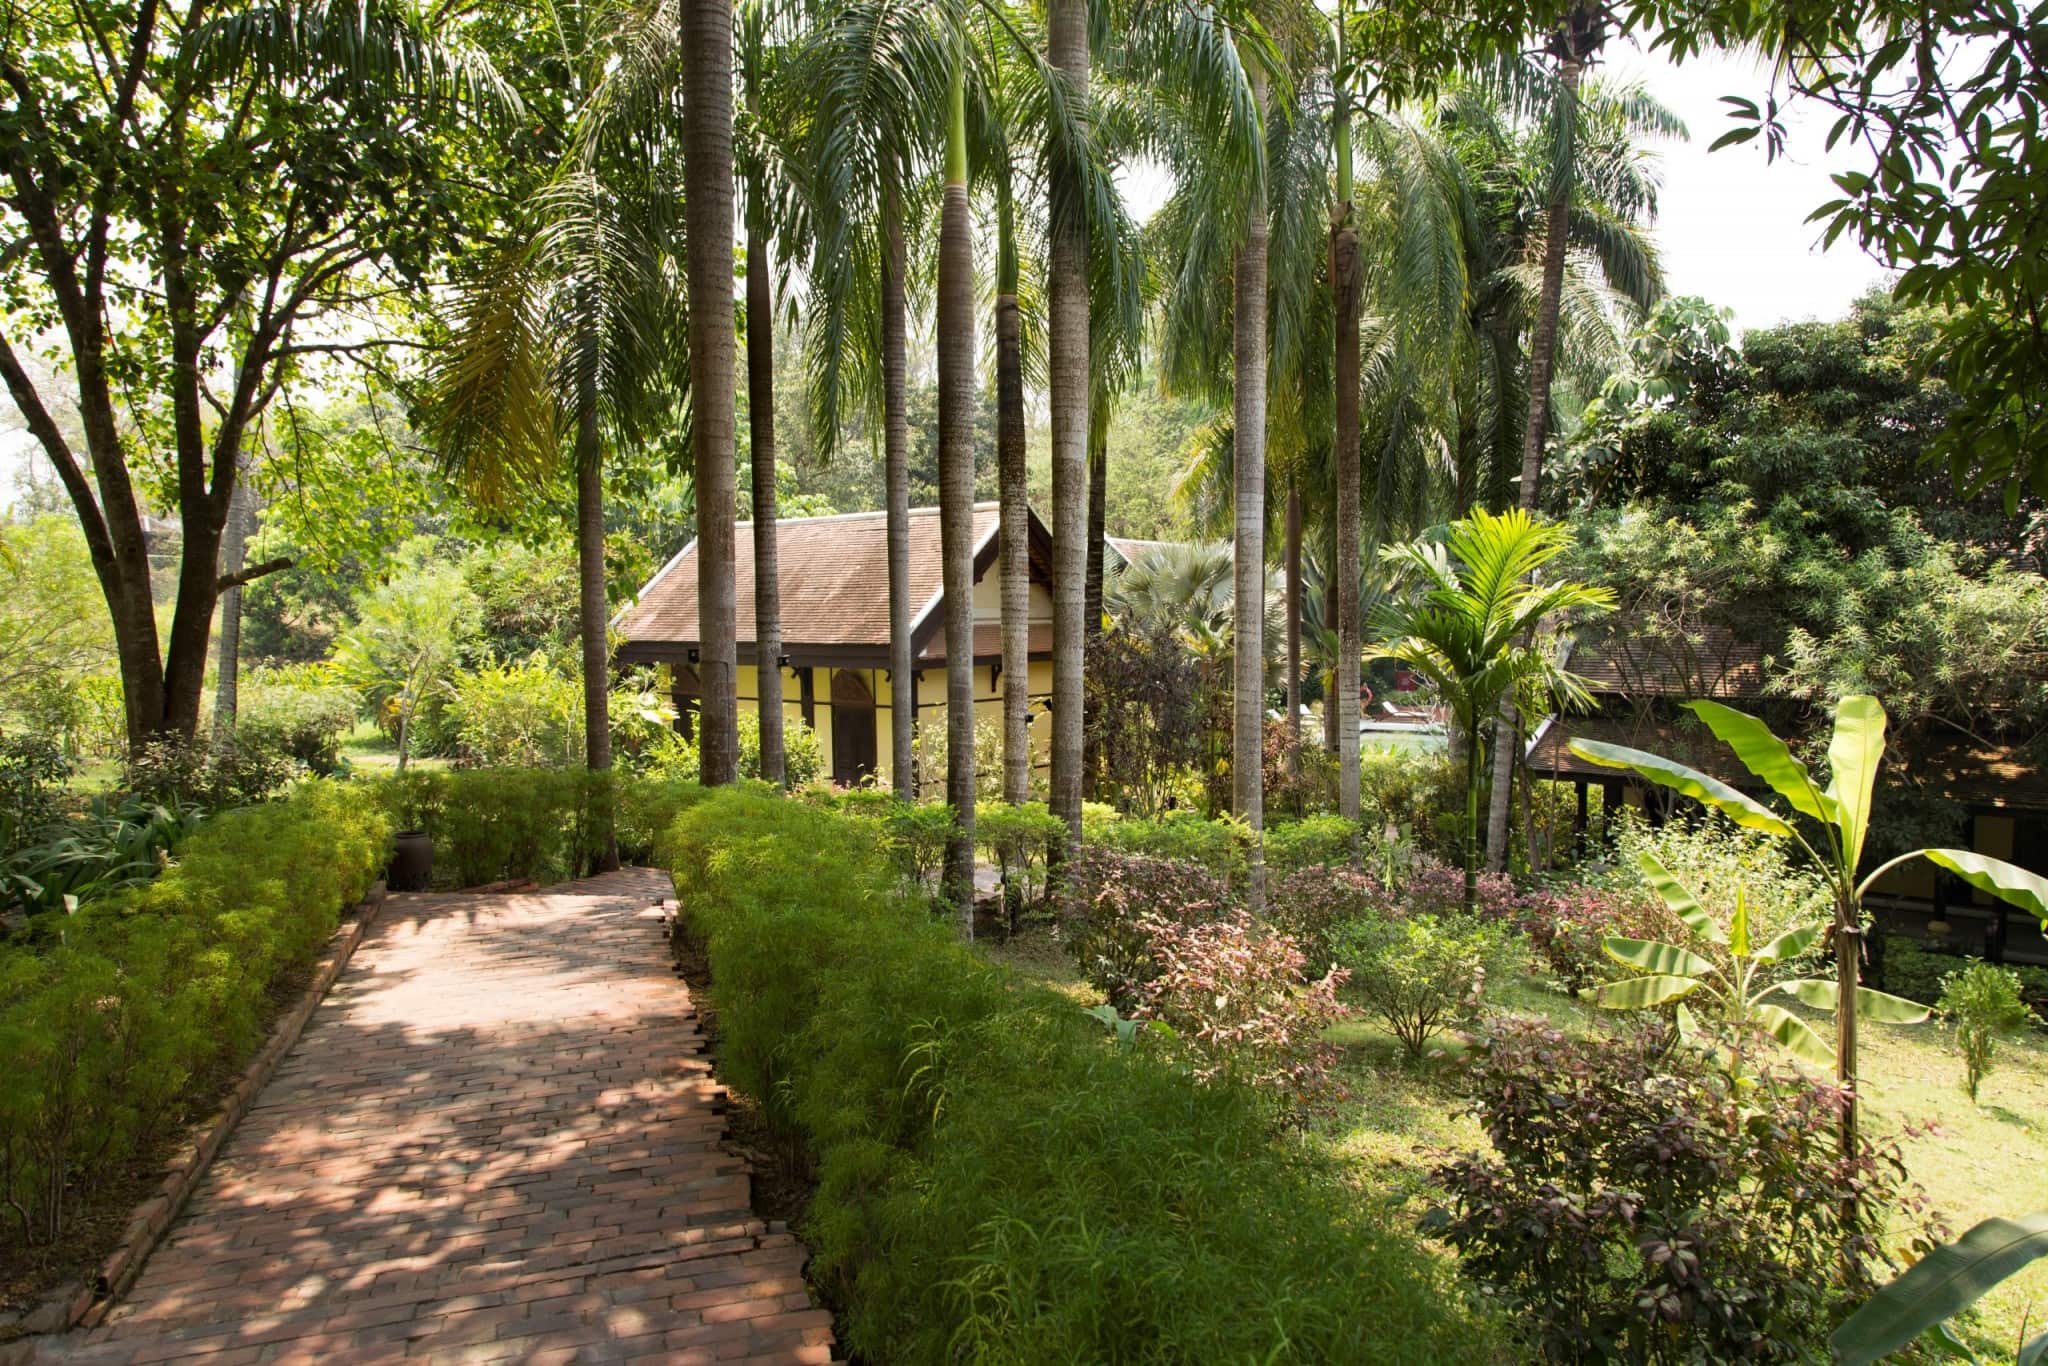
(496, 1141)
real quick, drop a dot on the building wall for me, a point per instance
(931, 708)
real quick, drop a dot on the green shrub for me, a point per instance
(1983, 1002)
(520, 715)
(1916, 972)
(998, 1180)
(1021, 839)
(299, 711)
(1422, 975)
(1315, 906)
(1642, 1205)
(1102, 899)
(673, 757)
(1185, 837)
(1314, 841)
(117, 1021)
(496, 824)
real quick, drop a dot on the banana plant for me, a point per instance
(1734, 973)
(1838, 821)
(1948, 1280)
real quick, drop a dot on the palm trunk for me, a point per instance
(1292, 552)
(592, 610)
(956, 500)
(1091, 595)
(1069, 385)
(1015, 559)
(234, 547)
(1345, 281)
(708, 214)
(761, 439)
(1542, 359)
(896, 494)
(1248, 681)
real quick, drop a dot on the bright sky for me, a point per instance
(1732, 225)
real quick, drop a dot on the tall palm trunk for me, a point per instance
(1069, 385)
(1248, 366)
(1542, 360)
(956, 498)
(1344, 279)
(708, 226)
(761, 438)
(1091, 594)
(1292, 552)
(896, 493)
(593, 613)
(1015, 559)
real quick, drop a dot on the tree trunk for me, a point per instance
(1069, 385)
(227, 652)
(1344, 275)
(1542, 359)
(955, 327)
(1292, 551)
(594, 615)
(1015, 559)
(761, 440)
(708, 221)
(1091, 596)
(896, 494)
(1248, 368)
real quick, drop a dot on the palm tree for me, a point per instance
(955, 328)
(569, 333)
(761, 222)
(1248, 428)
(1470, 625)
(708, 213)
(1342, 700)
(1068, 382)
(1571, 148)
(862, 65)
(1015, 529)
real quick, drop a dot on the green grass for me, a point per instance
(369, 751)
(1975, 1161)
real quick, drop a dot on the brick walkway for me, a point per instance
(495, 1142)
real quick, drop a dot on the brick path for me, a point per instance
(496, 1141)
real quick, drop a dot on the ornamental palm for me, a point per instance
(956, 493)
(1470, 628)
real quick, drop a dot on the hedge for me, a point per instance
(116, 1021)
(496, 824)
(997, 1179)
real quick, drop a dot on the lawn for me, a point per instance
(369, 751)
(1974, 1161)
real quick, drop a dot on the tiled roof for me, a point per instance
(834, 578)
(988, 642)
(1706, 661)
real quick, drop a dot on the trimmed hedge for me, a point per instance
(115, 1021)
(998, 1180)
(498, 824)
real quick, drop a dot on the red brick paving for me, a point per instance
(496, 1141)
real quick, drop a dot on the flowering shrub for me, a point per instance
(1422, 975)
(1429, 886)
(1102, 896)
(1565, 929)
(1643, 1206)
(1233, 994)
(1315, 904)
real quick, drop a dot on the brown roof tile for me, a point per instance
(1705, 662)
(834, 580)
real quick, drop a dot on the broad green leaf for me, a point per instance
(1680, 898)
(1939, 1286)
(1790, 944)
(1878, 1007)
(1738, 929)
(1651, 955)
(2034, 1353)
(1854, 755)
(1638, 993)
(2028, 891)
(1795, 1035)
(1744, 810)
(1765, 755)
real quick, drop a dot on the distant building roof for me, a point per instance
(1708, 661)
(834, 582)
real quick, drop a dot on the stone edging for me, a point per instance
(84, 1306)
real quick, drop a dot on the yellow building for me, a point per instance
(834, 581)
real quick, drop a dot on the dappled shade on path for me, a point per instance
(496, 1141)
